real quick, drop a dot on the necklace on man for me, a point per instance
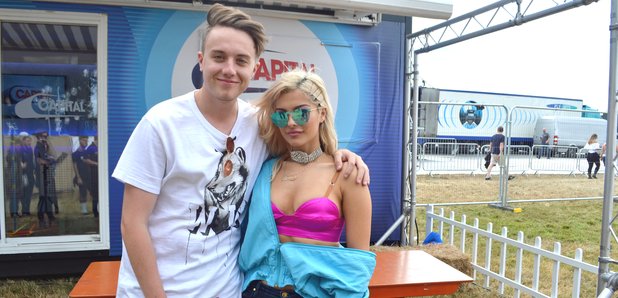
(303, 158)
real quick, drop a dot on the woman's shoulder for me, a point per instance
(348, 183)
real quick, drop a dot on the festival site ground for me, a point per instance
(575, 224)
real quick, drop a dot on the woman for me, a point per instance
(592, 155)
(299, 207)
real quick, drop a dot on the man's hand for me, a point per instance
(347, 161)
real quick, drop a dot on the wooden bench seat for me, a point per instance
(398, 274)
(99, 280)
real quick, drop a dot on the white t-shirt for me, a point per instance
(202, 190)
(594, 147)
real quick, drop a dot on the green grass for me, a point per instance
(55, 287)
(575, 224)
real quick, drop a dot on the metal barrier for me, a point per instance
(469, 157)
(450, 157)
(423, 140)
(550, 158)
(519, 159)
(582, 162)
(613, 165)
(419, 155)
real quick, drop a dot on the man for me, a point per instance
(496, 146)
(46, 178)
(470, 124)
(189, 168)
(91, 159)
(544, 150)
(604, 154)
(27, 157)
(82, 173)
(13, 166)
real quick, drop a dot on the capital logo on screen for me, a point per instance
(292, 45)
(43, 104)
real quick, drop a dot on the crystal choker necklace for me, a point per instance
(304, 158)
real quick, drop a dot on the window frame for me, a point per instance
(64, 243)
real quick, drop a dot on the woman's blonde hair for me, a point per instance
(592, 138)
(311, 85)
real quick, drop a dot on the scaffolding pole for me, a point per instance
(608, 189)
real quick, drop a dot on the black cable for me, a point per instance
(417, 236)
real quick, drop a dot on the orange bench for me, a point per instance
(407, 273)
(397, 274)
(99, 280)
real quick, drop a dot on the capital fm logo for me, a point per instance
(291, 45)
(40, 102)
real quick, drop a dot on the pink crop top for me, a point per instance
(316, 219)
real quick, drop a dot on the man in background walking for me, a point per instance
(496, 146)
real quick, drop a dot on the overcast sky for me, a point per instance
(564, 55)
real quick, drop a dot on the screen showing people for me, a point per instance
(51, 184)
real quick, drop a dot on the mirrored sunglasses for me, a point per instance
(299, 115)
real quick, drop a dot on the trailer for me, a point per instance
(473, 116)
(79, 68)
(570, 131)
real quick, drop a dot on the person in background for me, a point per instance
(544, 150)
(592, 149)
(13, 185)
(470, 124)
(46, 177)
(91, 159)
(496, 146)
(299, 206)
(189, 168)
(604, 153)
(82, 173)
(27, 157)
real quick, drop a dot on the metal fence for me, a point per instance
(550, 158)
(469, 158)
(449, 157)
(583, 164)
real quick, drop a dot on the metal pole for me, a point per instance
(392, 228)
(504, 169)
(406, 140)
(412, 230)
(608, 190)
(516, 21)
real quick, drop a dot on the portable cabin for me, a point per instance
(92, 69)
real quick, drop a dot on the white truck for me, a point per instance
(473, 116)
(570, 131)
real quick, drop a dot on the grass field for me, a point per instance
(53, 287)
(575, 224)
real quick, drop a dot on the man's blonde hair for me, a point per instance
(224, 16)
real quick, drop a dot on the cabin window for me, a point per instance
(51, 112)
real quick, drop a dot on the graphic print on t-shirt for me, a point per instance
(224, 195)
